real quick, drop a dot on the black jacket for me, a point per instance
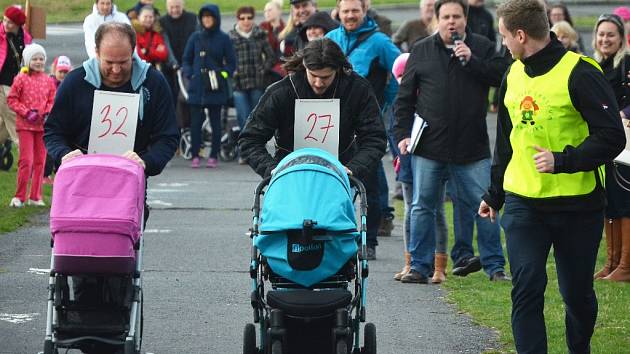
(177, 31)
(452, 98)
(480, 21)
(362, 138)
(593, 97)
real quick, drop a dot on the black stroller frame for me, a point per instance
(126, 335)
(272, 329)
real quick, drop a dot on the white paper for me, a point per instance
(624, 157)
(416, 132)
(317, 125)
(114, 121)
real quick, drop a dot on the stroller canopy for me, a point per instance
(308, 184)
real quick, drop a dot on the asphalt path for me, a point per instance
(196, 283)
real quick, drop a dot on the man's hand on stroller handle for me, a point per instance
(72, 154)
(131, 155)
(348, 171)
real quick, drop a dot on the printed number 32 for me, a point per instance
(122, 112)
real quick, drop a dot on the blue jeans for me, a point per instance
(244, 102)
(466, 196)
(441, 227)
(575, 237)
(469, 182)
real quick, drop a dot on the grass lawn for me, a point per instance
(12, 218)
(489, 305)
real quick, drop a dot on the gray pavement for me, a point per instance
(196, 282)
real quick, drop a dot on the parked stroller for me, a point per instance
(229, 139)
(95, 286)
(305, 244)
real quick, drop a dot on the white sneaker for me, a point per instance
(16, 203)
(36, 202)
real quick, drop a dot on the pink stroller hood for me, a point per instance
(101, 194)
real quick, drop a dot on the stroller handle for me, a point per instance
(356, 183)
(258, 193)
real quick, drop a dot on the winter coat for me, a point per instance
(176, 32)
(373, 58)
(91, 23)
(319, 19)
(68, 126)
(4, 46)
(150, 44)
(218, 55)
(362, 138)
(254, 57)
(452, 98)
(31, 91)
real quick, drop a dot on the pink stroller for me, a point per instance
(96, 221)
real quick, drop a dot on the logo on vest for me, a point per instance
(297, 248)
(529, 109)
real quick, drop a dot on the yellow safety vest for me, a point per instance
(542, 114)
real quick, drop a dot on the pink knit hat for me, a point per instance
(398, 69)
(623, 12)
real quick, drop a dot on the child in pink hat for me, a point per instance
(624, 13)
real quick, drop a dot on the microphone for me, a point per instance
(456, 37)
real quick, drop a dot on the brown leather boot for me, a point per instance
(405, 269)
(612, 229)
(439, 275)
(622, 272)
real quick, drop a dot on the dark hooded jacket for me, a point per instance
(218, 55)
(319, 19)
(362, 139)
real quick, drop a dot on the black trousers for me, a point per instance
(373, 218)
(575, 237)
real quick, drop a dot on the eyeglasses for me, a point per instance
(246, 18)
(612, 18)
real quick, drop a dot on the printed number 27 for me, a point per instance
(326, 127)
(122, 111)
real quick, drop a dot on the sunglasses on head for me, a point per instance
(611, 18)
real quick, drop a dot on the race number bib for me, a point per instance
(317, 125)
(114, 121)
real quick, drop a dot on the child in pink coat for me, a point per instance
(31, 98)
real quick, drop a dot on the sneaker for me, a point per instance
(414, 277)
(467, 266)
(212, 163)
(16, 203)
(195, 162)
(500, 276)
(36, 202)
(386, 226)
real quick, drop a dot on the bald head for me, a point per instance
(175, 8)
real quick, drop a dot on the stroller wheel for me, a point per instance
(185, 144)
(249, 339)
(227, 154)
(369, 339)
(49, 347)
(6, 161)
(276, 347)
(342, 347)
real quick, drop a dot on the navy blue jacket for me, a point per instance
(68, 126)
(218, 55)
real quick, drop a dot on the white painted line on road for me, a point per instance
(156, 190)
(173, 184)
(157, 231)
(159, 202)
(39, 271)
(18, 318)
(66, 30)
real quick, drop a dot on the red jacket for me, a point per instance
(31, 91)
(147, 44)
